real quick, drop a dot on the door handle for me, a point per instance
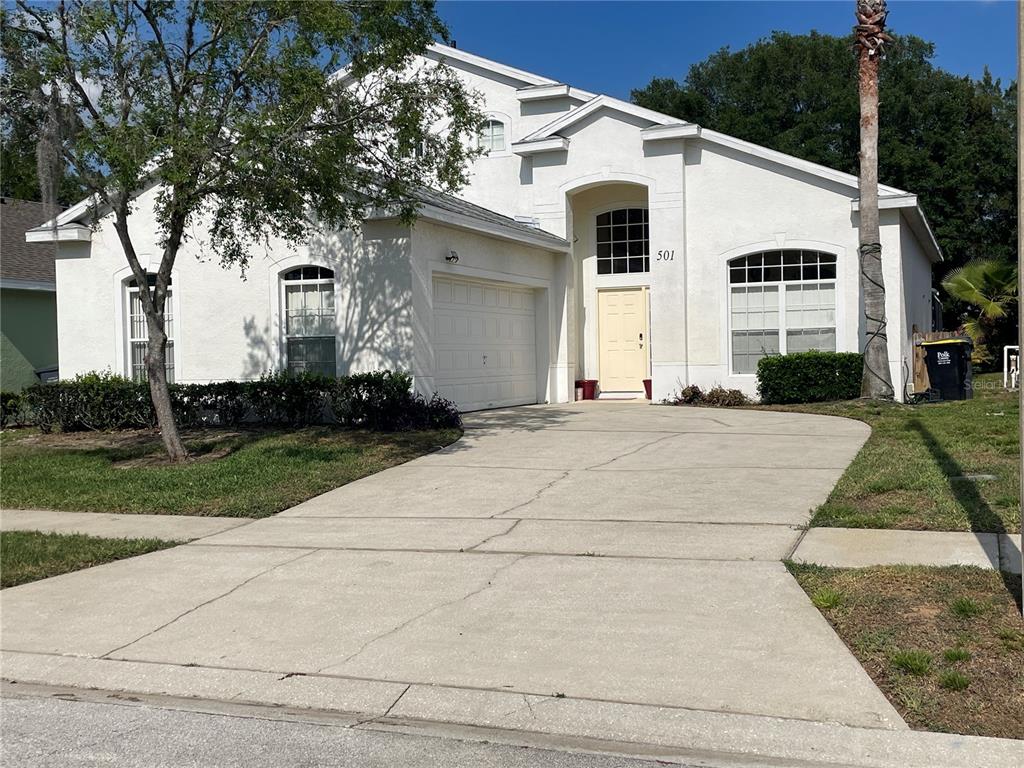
(641, 341)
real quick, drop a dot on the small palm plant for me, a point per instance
(990, 285)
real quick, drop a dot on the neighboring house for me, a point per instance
(596, 239)
(28, 298)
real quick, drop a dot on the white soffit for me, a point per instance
(667, 132)
(73, 233)
(537, 146)
(541, 92)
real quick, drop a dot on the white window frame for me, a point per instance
(610, 212)
(780, 285)
(132, 339)
(488, 127)
(284, 284)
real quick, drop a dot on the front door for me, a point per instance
(623, 339)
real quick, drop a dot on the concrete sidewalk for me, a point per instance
(593, 572)
(112, 526)
(860, 548)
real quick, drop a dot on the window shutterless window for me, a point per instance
(623, 242)
(492, 136)
(780, 302)
(138, 331)
(310, 320)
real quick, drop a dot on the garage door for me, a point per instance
(485, 344)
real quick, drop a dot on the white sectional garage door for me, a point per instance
(485, 344)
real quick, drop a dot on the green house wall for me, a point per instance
(28, 336)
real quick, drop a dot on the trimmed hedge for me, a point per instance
(382, 400)
(809, 377)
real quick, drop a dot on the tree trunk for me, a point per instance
(876, 382)
(153, 303)
(1020, 250)
(156, 372)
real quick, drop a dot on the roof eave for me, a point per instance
(66, 233)
(909, 206)
(543, 240)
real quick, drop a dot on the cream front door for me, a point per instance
(623, 337)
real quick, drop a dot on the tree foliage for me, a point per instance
(948, 138)
(990, 288)
(234, 113)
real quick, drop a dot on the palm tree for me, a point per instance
(991, 286)
(876, 383)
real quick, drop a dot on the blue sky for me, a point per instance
(614, 46)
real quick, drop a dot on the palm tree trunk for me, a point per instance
(1020, 243)
(876, 382)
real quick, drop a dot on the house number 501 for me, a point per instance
(666, 256)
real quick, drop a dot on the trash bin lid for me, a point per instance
(959, 340)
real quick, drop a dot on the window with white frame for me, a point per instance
(138, 331)
(623, 242)
(780, 302)
(310, 320)
(492, 136)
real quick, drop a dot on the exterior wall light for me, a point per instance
(452, 257)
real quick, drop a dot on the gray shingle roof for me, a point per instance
(457, 205)
(20, 260)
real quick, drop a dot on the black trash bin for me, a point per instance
(949, 367)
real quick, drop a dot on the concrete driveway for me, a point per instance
(609, 556)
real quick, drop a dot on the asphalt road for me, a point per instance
(44, 732)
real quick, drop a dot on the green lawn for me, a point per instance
(914, 470)
(945, 645)
(30, 555)
(238, 473)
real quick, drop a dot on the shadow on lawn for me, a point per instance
(965, 489)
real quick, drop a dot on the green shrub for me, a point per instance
(809, 377)
(12, 409)
(382, 400)
(293, 399)
(96, 401)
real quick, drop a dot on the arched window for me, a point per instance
(780, 302)
(138, 331)
(310, 320)
(492, 136)
(623, 242)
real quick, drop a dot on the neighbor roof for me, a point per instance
(24, 265)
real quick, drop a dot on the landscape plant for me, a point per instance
(379, 401)
(235, 115)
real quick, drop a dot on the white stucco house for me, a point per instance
(596, 240)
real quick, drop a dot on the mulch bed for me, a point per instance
(945, 645)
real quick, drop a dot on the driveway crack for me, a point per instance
(630, 453)
(540, 492)
(394, 630)
(494, 536)
(208, 602)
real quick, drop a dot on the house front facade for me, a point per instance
(595, 240)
